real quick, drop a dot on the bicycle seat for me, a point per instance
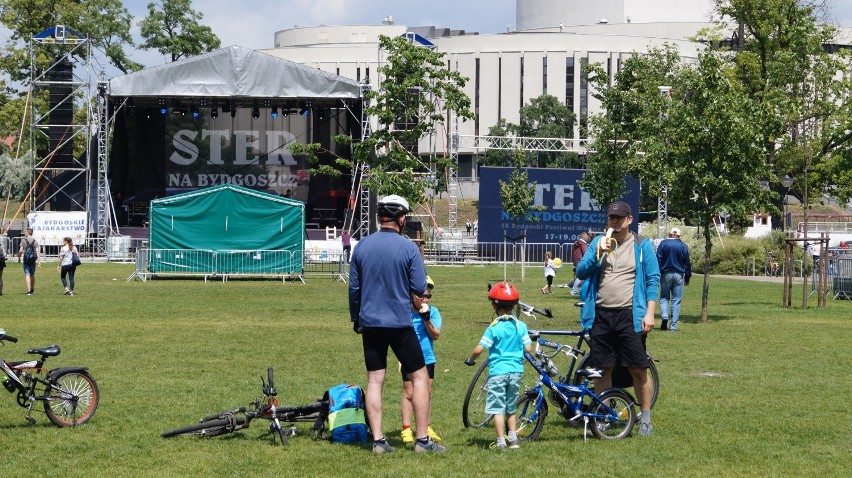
(51, 351)
(590, 373)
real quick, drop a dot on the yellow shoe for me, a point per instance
(407, 436)
(434, 436)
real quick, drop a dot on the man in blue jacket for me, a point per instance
(620, 294)
(675, 270)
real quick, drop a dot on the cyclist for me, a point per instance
(386, 270)
(427, 323)
(506, 340)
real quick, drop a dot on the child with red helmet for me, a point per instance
(506, 340)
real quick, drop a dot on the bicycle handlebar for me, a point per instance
(575, 333)
(526, 309)
(3, 336)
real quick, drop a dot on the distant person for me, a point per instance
(427, 324)
(469, 226)
(289, 193)
(66, 265)
(675, 271)
(506, 340)
(346, 240)
(579, 248)
(31, 258)
(549, 272)
(386, 270)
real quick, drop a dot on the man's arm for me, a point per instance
(589, 263)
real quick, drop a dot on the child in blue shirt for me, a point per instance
(506, 340)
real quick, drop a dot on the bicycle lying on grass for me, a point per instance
(69, 394)
(473, 408)
(267, 408)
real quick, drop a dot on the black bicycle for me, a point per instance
(70, 395)
(267, 408)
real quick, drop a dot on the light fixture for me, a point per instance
(163, 110)
(786, 181)
(194, 110)
(233, 111)
(255, 111)
(214, 112)
(321, 114)
(274, 113)
(303, 108)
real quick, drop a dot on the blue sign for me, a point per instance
(569, 209)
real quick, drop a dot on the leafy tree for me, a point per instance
(416, 89)
(173, 28)
(499, 156)
(106, 22)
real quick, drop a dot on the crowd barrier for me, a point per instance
(222, 264)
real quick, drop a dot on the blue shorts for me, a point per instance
(29, 269)
(503, 391)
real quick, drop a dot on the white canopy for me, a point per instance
(233, 72)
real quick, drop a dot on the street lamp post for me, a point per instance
(786, 181)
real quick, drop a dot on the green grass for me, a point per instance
(168, 352)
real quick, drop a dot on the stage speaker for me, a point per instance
(61, 115)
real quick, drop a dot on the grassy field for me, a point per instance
(168, 352)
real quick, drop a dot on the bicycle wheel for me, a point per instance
(207, 429)
(72, 399)
(623, 379)
(606, 427)
(473, 409)
(531, 421)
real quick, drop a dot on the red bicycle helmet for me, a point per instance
(503, 292)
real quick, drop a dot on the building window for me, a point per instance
(499, 88)
(367, 74)
(544, 75)
(358, 74)
(476, 99)
(584, 94)
(569, 83)
(522, 83)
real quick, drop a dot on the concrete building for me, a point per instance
(552, 42)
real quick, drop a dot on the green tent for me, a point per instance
(226, 229)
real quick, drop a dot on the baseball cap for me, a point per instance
(675, 231)
(619, 208)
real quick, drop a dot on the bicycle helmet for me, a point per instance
(503, 293)
(430, 284)
(392, 207)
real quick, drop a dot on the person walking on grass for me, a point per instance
(675, 272)
(31, 258)
(549, 272)
(427, 324)
(506, 340)
(620, 294)
(66, 265)
(386, 270)
(579, 248)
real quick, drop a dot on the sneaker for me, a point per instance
(645, 429)
(513, 443)
(380, 447)
(429, 447)
(407, 436)
(432, 434)
(67, 291)
(498, 446)
(665, 325)
(30, 293)
(71, 292)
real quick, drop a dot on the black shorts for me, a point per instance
(613, 341)
(429, 368)
(403, 342)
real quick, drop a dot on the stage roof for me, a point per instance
(234, 72)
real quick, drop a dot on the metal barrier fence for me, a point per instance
(224, 264)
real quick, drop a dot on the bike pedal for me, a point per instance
(30, 419)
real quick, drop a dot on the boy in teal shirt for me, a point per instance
(506, 340)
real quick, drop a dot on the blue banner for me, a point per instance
(569, 209)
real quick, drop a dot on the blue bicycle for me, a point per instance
(611, 413)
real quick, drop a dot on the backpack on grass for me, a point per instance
(344, 419)
(30, 255)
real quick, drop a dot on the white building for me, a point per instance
(545, 55)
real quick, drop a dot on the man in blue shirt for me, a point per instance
(386, 269)
(675, 271)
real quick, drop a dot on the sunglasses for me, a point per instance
(427, 296)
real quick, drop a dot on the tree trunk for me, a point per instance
(708, 247)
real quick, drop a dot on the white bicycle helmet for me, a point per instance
(392, 207)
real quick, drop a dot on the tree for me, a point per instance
(106, 22)
(499, 155)
(172, 28)
(416, 89)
